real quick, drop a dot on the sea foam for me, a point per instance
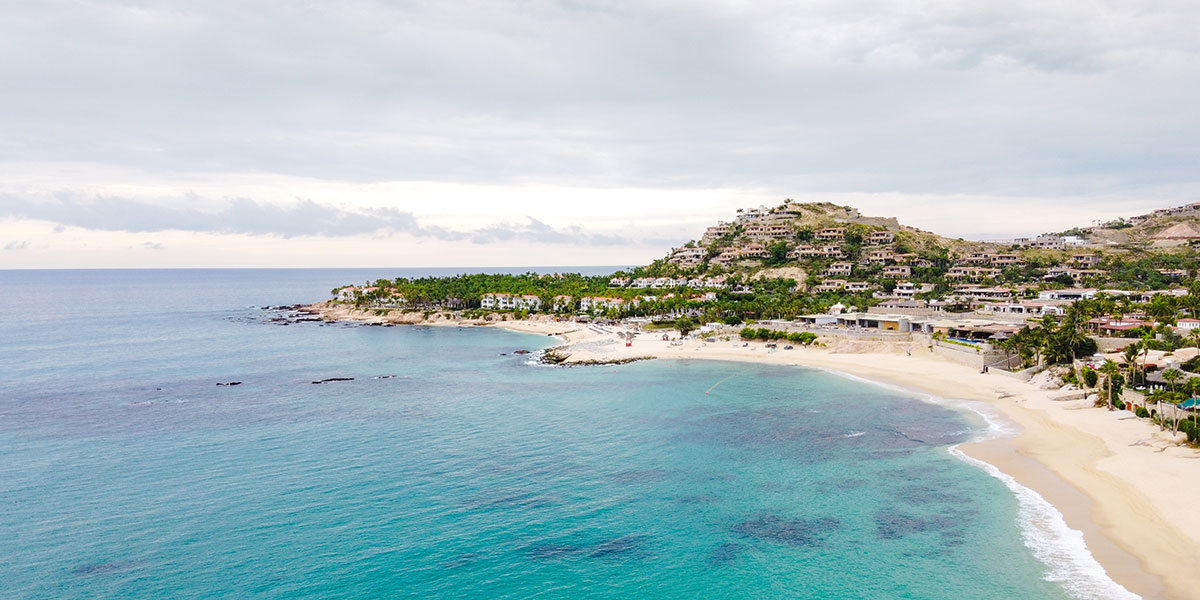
(1043, 529)
(1055, 543)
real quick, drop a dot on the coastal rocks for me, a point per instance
(332, 379)
(292, 314)
(561, 356)
(555, 356)
(607, 361)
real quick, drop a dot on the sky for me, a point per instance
(249, 133)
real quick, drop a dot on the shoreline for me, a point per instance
(1115, 479)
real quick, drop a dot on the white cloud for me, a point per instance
(634, 120)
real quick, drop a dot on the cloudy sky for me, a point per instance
(460, 133)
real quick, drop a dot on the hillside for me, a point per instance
(801, 234)
(1161, 229)
(811, 236)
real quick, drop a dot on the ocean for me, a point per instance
(451, 467)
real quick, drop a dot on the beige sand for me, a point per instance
(1130, 489)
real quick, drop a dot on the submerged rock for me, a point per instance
(626, 544)
(552, 551)
(102, 568)
(794, 532)
(724, 554)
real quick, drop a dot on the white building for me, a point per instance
(1067, 294)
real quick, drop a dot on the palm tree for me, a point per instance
(1162, 308)
(1194, 336)
(1131, 353)
(1110, 370)
(1173, 377)
(1146, 339)
(1124, 306)
(1193, 388)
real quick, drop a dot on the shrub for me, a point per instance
(1142, 412)
(1090, 377)
(1119, 404)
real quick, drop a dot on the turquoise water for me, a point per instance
(125, 472)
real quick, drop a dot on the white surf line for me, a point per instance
(1044, 530)
(1062, 549)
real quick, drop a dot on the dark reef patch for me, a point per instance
(552, 551)
(624, 545)
(461, 560)
(724, 554)
(895, 525)
(640, 475)
(790, 531)
(105, 567)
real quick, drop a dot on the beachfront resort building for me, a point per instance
(598, 303)
(563, 303)
(510, 302)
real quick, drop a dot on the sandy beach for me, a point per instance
(1129, 488)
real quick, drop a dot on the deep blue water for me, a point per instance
(126, 472)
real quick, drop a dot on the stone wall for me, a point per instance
(1110, 344)
(971, 357)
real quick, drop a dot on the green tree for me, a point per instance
(1172, 377)
(778, 253)
(1110, 370)
(1089, 377)
(685, 326)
